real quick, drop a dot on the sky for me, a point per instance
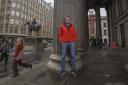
(103, 12)
(52, 1)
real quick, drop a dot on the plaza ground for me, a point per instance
(100, 67)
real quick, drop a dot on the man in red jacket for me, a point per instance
(68, 37)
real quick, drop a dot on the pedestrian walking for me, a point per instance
(18, 58)
(68, 38)
(99, 43)
(4, 52)
(93, 42)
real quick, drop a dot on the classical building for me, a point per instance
(92, 27)
(104, 28)
(118, 19)
(117, 16)
(14, 14)
(92, 24)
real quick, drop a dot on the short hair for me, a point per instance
(68, 17)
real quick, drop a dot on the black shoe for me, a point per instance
(62, 75)
(74, 74)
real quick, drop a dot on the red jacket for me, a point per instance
(18, 49)
(67, 35)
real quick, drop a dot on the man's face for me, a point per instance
(67, 20)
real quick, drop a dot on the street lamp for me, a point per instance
(33, 26)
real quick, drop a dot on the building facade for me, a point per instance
(104, 28)
(14, 14)
(118, 16)
(117, 11)
(92, 27)
(92, 23)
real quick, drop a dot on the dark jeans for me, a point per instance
(15, 66)
(99, 45)
(4, 56)
(64, 48)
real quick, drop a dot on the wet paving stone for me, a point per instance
(115, 84)
(5, 70)
(101, 67)
(48, 78)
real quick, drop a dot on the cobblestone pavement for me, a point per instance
(101, 67)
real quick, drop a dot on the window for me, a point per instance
(29, 11)
(11, 21)
(105, 40)
(39, 1)
(105, 32)
(22, 8)
(16, 29)
(6, 26)
(17, 22)
(25, 9)
(23, 1)
(105, 25)
(18, 6)
(13, 4)
(11, 28)
(22, 15)
(26, 3)
(17, 14)
(12, 13)
(7, 17)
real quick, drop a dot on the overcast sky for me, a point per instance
(103, 12)
(51, 1)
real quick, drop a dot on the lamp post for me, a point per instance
(33, 26)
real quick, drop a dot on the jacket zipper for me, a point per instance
(68, 34)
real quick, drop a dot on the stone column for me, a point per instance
(5, 16)
(86, 30)
(113, 13)
(98, 23)
(109, 20)
(83, 27)
(77, 10)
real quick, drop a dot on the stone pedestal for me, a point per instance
(55, 64)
